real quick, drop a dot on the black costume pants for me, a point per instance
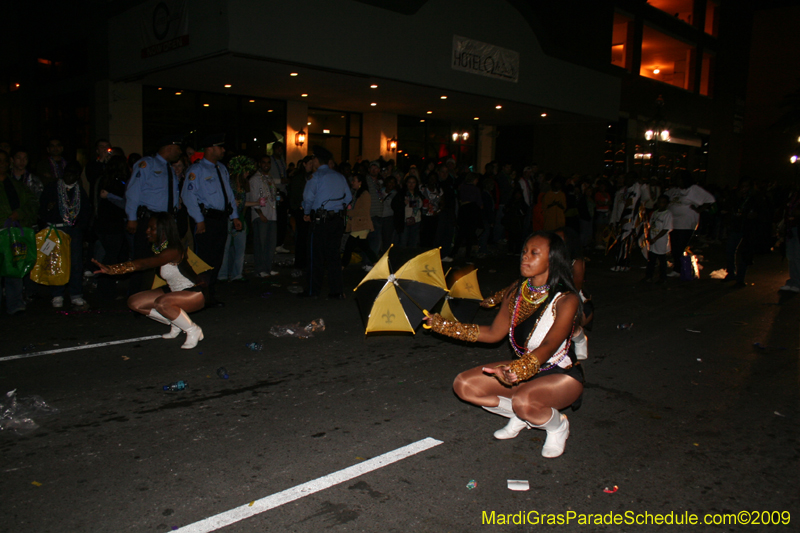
(326, 238)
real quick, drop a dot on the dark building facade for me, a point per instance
(572, 86)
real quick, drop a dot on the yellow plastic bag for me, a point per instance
(51, 268)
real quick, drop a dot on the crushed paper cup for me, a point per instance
(472, 484)
(611, 491)
(518, 484)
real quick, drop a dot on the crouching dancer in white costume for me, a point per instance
(182, 295)
(538, 314)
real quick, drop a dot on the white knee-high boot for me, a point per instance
(193, 332)
(515, 424)
(158, 317)
(557, 433)
(581, 343)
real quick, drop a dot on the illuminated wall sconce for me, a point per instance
(391, 144)
(464, 135)
(300, 138)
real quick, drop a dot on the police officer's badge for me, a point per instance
(143, 164)
(192, 176)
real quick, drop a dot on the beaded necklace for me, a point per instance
(68, 209)
(541, 293)
(160, 248)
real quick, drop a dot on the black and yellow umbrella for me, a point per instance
(392, 302)
(464, 297)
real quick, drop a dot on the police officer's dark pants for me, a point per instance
(326, 238)
(210, 247)
(679, 240)
(142, 248)
(301, 240)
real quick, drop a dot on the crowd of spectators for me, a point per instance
(438, 204)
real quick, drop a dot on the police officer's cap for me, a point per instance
(217, 139)
(322, 154)
(170, 139)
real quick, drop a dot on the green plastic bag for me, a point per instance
(17, 251)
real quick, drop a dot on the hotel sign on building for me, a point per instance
(485, 59)
(165, 26)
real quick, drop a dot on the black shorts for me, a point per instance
(575, 372)
(196, 288)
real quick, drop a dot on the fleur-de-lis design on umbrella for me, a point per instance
(389, 316)
(428, 270)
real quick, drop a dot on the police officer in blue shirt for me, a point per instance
(153, 188)
(325, 200)
(209, 199)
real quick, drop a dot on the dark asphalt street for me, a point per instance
(679, 421)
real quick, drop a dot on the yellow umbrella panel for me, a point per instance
(464, 299)
(395, 302)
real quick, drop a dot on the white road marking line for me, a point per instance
(74, 348)
(237, 514)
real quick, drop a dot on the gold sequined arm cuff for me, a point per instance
(121, 268)
(495, 298)
(526, 367)
(457, 330)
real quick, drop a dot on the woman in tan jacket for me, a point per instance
(359, 224)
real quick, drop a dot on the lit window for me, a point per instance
(671, 58)
(712, 12)
(621, 37)
(680, 9)
(707, 75)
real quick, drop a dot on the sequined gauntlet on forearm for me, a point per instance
(457, 330)
(526, 367)
(495, 298)
(121, 268)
